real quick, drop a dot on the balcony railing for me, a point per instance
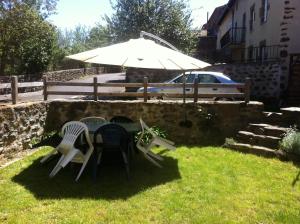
(250, 54)
(262, 53)
(236, 35)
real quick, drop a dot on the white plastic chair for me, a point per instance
(154, 141)
(71, 131)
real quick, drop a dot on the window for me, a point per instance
(207, 78)
(190, 78)
(263, 54)
(264, 11)
(178, 80)
(250, 53)
(252, 17)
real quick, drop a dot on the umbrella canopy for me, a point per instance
(140, 53)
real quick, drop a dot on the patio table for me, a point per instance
(131, 128)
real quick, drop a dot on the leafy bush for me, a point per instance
(146, 138)
(291, 141)
(229, 142)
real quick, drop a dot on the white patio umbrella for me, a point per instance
(140, 53)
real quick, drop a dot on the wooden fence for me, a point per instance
(145, 94)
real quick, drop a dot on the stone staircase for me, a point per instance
(262, 138)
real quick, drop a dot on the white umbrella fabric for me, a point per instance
(140, 53)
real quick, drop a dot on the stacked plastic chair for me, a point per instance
(154, 141)
(69, 153)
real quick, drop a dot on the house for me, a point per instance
(206, 46)
(254, 30)
(260, 39)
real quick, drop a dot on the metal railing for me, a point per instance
(236, 35)
(262, 53)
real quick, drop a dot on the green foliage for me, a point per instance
(45, 8)
(147, 136)
(76, 40)
(26, 41)
(291, 141)
(168, 19)
(229, 142)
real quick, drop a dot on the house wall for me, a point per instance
(223, 28)
(292, 17)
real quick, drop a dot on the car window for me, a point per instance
(207, 78)
(190, 78)
(178, 80)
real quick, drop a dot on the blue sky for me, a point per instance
(88, 12)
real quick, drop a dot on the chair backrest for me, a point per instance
(145, 127)
(72, 130)
(93, 123)
(113, 136)
(121, 119)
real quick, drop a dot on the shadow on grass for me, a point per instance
(111, 183)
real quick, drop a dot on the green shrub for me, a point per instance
(291, 141)
(157, 130)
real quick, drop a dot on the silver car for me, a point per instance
(203, 77)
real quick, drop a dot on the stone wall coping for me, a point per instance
(25, 104)
(161, 102)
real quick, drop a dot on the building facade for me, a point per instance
(262, 36)
(251, 30)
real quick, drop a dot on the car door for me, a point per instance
(205, 79)
(179, 80)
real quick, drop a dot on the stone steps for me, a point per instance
(267, 129)
(272, 118)
(259, 140)
(253, 149)
(262, 138)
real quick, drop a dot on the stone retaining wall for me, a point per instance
(20, 125)
(266, 78)
(210, 122)
(71, 74)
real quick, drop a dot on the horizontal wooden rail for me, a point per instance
(146, 95)
(136, 94)
(95, 86)
(22, 85)
(51, 83)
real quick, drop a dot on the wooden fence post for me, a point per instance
(145, 89)
(183, 86)
(247, 89)
(196, 90)
(95, 88)
(14, 89)
(45, 92)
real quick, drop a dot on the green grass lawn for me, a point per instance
(196, 185)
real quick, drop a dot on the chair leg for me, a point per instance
(57, 167)
(126, 163)
(82, 168)
(70, 155)
(152, 160)
(46, 157)
(150, 153)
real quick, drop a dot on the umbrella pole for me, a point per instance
(184, 96)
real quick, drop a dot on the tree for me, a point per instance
(169, 19)
(26, 41)
(44, 7)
